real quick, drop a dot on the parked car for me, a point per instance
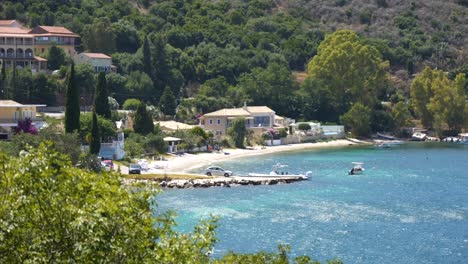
(217, 171)
(108, 165)
(134, 169)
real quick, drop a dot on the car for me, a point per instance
(217, 171)
(108, 165)
(134, 169)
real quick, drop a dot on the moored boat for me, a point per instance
(281, 170)
(463, 138)
(357, 168)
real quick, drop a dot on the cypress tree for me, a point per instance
(147, 66)
(2, 82)
(167, 104)
(95, 141)
(101, 98)
(142, 123)
(161, 67)
(72, 110)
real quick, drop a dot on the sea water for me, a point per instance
(410, 205)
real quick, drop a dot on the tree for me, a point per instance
(304, 126)
(72, 105)
(95, 140)
(421, 94)
(55, 58)
(358, 120)
(167, 104)
(352, 71)
(401, 115)
(3, 82)
(317, 101)
(160, 65)
(142, 123)
(100, 37)
(106, 127)
(56, 212)
(437, 98)
(101, 99)
(86, 83)
(131, 104)
(237, 132)
(147, 65)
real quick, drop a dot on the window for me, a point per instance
(262, 121)
(211, 121)
(219, 132)
(219, 121)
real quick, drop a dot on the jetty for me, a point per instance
(217, 182)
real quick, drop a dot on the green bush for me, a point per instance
(131, 104)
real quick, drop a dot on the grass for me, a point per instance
(167, 176)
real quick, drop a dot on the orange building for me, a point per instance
(19, 46)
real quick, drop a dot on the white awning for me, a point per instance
(168, 139)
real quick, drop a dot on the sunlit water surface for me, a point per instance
(410, 206)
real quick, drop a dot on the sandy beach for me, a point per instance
(188, 162)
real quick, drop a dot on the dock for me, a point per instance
(220, 181)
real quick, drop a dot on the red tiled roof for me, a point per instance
(6, 22)
(13, 30)
(52, 31)
(96, 55)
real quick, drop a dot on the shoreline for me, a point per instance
(189, 162)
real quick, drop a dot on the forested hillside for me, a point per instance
(214, 54)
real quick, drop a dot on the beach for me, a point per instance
(188, 162)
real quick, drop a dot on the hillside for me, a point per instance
(220, 53)
(432, 33)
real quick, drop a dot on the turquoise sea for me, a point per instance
(410, 206)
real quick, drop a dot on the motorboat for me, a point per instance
(281, 170)
(418, 136)
(357, 168)
(463, 138)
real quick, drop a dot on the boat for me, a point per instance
(357, 168)
(463, 138)
(281, 170)
(418, 136)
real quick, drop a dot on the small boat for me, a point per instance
(418, 136)
(280, 170)
(463, 138)
(357, 168)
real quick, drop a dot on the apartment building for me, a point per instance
(19, 46)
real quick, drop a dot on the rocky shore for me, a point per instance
(217, 182)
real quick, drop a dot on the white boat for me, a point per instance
(281, 170)
(418, 136)
(463, 138)
(357, 168)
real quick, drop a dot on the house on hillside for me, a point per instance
(46, 36)
(100, 61)
(257, 118)
(11, 112)
(19, 46)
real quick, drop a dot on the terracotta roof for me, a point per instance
(229, 112)
(173, 125)
(96, 55)
(52, 31)
(14, 30)
(10, 23)
(259, 109)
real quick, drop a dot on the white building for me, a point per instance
(100, 62)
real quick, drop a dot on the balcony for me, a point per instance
(15, 121)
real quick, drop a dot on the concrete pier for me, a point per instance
(220, 181)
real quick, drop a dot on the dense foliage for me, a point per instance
(215, 54)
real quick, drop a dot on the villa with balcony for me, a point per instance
(257, 118)
(19, 45)
(11, 112)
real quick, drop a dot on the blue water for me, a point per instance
(410, 206)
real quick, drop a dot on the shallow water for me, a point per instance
(410, 205)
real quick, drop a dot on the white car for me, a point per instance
(217, 171)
